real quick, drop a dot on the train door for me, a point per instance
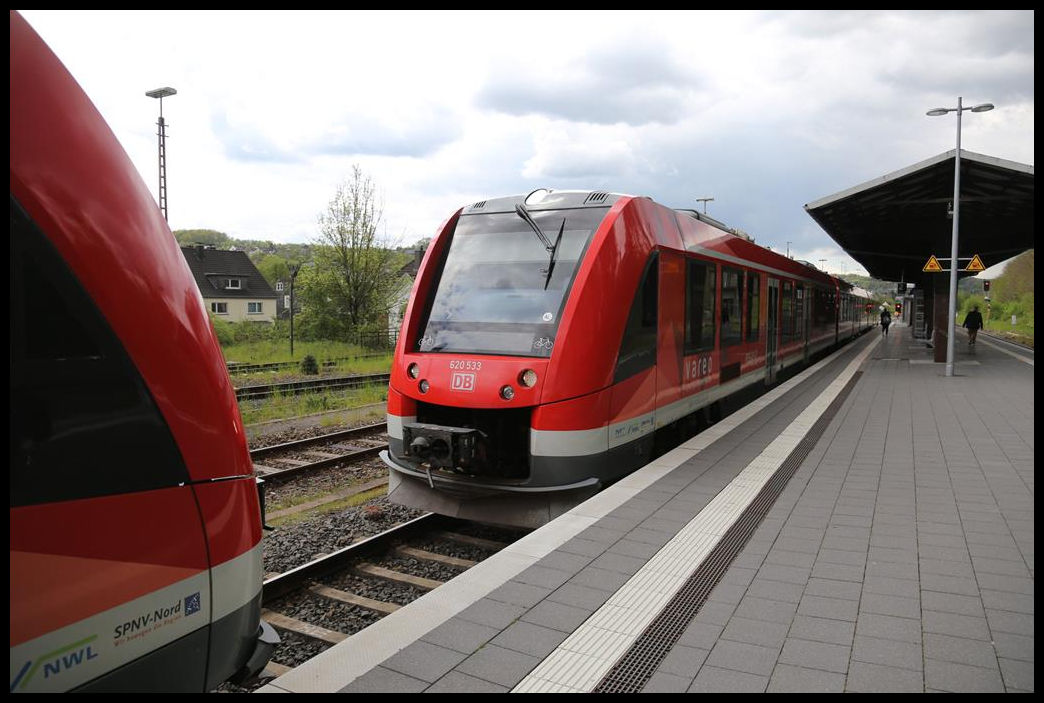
(772, 321)
(836, 309)
(670, 374)
(802, 323)
(632, 404)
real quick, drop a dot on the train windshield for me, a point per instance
(501, 291)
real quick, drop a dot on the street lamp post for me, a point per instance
(294, 268)
(162, 132)
(952, 313)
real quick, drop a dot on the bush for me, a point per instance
(224, 331)
(309, 365)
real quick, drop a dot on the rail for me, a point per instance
(295, 387)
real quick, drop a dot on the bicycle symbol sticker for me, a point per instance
(543, 343)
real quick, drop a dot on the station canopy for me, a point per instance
(893, 224)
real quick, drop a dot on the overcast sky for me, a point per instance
(762, 111)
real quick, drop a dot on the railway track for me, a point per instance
(235, 368)
(286, 460)
(322, 602)
(259, 391)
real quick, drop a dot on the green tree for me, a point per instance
(355, 277)
(218, 240)
(1017, 279)
(273, 268)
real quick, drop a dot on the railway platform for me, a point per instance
(865, 526)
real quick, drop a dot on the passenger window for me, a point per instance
(82, 422)
(731, 295)
(638, 347)
(753, 306)
(699, 306)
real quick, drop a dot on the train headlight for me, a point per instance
(528, 378)
(507, 392)
(413, 370)
(423, 386)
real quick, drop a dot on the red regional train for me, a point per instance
(553, 341)
(135, 517)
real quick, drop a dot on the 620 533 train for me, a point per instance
(134, 511)
(552, 342)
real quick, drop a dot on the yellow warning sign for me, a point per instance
(932, 266)
(975, 264)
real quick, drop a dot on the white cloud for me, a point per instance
(764, 111)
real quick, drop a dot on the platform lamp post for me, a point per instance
(952, 314)
(161, 93)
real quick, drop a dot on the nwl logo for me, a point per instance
(462, 382)
(56, 662)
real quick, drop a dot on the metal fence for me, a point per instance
(378, 340)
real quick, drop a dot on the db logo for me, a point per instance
(462, 382)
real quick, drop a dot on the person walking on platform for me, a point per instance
(973, 322)
(886, 319)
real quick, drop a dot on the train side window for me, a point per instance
(638, 347)
(699, 306)
(731, 297)
(821, 308)
(753, 306)
(82, 422)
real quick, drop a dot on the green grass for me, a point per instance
(1021, 333)
(273, 352)
(355, 365)
(281, 406)
(333, 506)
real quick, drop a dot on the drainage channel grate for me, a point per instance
(637, 665)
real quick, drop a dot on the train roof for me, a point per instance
(545, 199)
(719, 236)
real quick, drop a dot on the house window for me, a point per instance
(286, 301)
(253, 308)
(279, 286)
(219, 308)
(234, 283)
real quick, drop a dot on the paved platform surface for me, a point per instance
(898, 557)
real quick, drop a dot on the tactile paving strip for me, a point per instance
(586, 657)
(637, 666)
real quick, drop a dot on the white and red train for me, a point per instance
(552, 339)
(134, 512)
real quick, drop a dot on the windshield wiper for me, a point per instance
(522, 212)
(554, 250)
